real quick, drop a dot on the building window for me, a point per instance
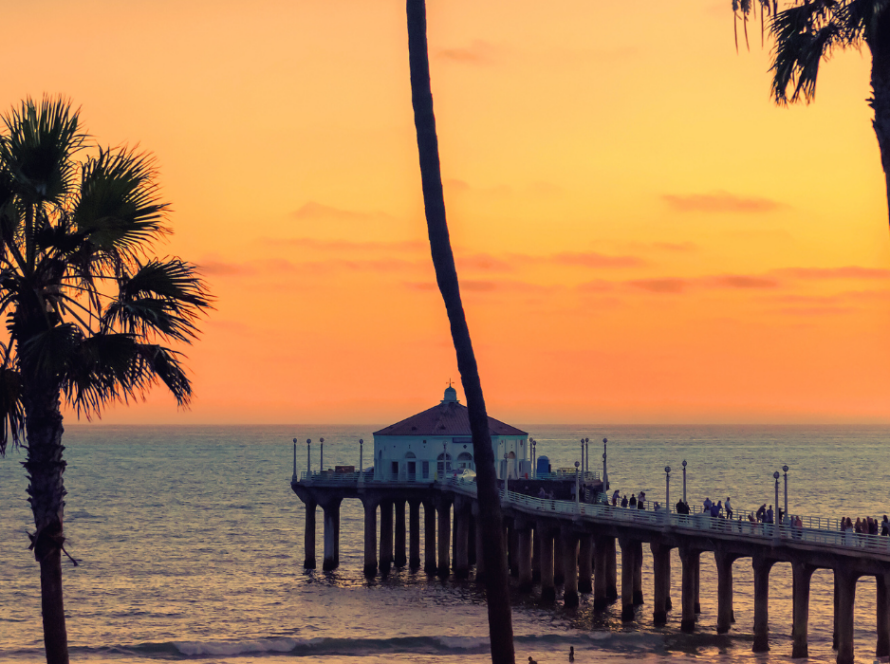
(426, 470)
(443, 467)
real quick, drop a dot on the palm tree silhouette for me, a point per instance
(809, 31)
(88, 312)
(496, 585)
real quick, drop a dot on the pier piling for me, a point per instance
(628, 569)
(762, 567)
(548, 584)
(882, 615)
(444, 538)
(429, 537)
(399, 557)
(724, 562)
(661, 581)
(370, 566)
(689, 559)
(570, 566)
(309, 536)
(386, 536)
(414, 535)
(585, 563)
(801, 574)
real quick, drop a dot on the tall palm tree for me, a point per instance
(809, 31)
(88, 312)
(496, 585)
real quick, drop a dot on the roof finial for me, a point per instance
(450, 393)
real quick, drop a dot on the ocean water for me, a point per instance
(190, 547)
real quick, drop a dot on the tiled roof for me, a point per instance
(449, 418)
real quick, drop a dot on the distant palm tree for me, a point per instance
(496, 584)
(809, 31)
(88, 312)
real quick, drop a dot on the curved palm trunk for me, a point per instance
(496, 586)
(43, 424)
(880, 84)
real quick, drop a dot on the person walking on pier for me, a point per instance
(624, 501)
(768, 516)
(761, 513)
(633, 500)
(615, 497)
(885, 527)
(728, 508)
(707, 505)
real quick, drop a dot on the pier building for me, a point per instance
(437, 443)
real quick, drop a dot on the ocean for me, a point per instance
(189, 543)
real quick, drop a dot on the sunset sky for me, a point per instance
(641, 234)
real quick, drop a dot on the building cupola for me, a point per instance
(450, 395)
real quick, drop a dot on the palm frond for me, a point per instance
(118, 206)
(12, 414)
(46, 355)
(104, 368)
(165, 364)
(163, 297)
(38, 148)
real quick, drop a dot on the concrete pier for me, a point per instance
(444, 538)
(846, 585)
(585, 563)
(413, 535)
(386, 536)
(628, 571)
(370, 505)
(689, 559)
(429, 537)
(611, 569)
(558, 559)
(661, 581)
(570, 566)
(762, 567)
(548, 584)
(638, 573)
(461, 540)
(480, 558)
(536, 555)
(399, 557)
(882, 615)
(524, 554)
(309, 536)
(724, 561)
(801, 574)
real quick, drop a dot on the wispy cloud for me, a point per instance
(667, 285)
(596, 260)
(479, 52)
(341, 246)
(314, 210)
(721, 201)
(845, 272)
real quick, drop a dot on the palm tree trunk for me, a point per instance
(43, 424)
(880, 84)
(500, 622)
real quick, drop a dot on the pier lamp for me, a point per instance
(775, 520)
(667, 488)
(785, 470)
(605, 472)
(534, 458)
(361, 460)
(321, 455)
(295, 460)
(506, 474)
(684, 480)
(577, 487)
(308, 458)
(587, 455)
(582, 453)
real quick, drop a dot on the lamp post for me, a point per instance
(577, 487)
(785, 470)
(534, 458)
(361, 460)
(582, 453)
(308, 458)
(295, 460)
(445, 459)
(684, 480)
(667, 489)
(587, 455)
(605, 471)
(321, 455)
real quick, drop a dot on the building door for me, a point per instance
(395, 470)
(412, 471)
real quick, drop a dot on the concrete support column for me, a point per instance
(762, 567)
(661, 581)
(524, 555)
(513, 550)
(882, 615)
(309, 536)
(370, 537)
(585, 563)
(536, 555)
(570, 567)
(689, 559)
(638, 574)
(836, 605)
(724, 590)
(399, 557)
(600, 598)
(801, 573)
(628, 567)
(414, 535)
(444, 538)
(668, 604)
(696, 579)
(480, 558)
(471, 548)
(386, 536)
(548, 585)
(611, 569)
(462, 542)
(558, 556)
(429, 537)
(331, 559)
(846, 585)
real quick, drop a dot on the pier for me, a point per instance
(575, 544)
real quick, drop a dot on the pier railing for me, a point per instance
(693, 522)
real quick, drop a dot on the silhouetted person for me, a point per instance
(633, 500)
(624, 501)
(571, 653)
(728, 508)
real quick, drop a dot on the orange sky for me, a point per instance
(642, 236)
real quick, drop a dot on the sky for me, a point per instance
(641, 234)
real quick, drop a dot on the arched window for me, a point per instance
(410, 455)
(443, 466)
(465, 460)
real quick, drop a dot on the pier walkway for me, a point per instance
(574, 544)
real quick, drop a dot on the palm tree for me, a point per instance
(809, 31)
(88, 312)
(496, 586)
